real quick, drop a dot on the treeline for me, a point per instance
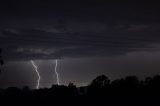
(129, 91)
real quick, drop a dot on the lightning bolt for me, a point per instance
(36, 69)
(57, 72)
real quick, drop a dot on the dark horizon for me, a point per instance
(128, 91)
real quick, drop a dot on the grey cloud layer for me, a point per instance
(89, 40)
(45, 30)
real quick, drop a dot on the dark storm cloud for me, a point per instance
(45, 30)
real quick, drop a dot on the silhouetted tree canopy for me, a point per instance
(100, 81)
(129, 91)
(131, 81)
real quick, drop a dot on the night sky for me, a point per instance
(88, 38)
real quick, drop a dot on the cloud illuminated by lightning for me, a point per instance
(36, 69)
(57, 72)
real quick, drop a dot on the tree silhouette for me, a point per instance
(129, 91)
(100, 81)
(153, 82)
(131, 81)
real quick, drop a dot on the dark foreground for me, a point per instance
(101, 92)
